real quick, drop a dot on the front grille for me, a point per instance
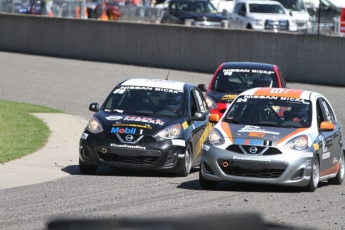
(138, 160)
(277, 25)
(261, 150)
(264, 173)
(248, 168)
(115, 139)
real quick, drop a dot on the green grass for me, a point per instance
(21, 133)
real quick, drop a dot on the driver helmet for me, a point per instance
(265, 81)
(300, 113)
(173, 102)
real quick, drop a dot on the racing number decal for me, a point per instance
(279, 92)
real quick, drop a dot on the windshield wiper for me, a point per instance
(266, 124)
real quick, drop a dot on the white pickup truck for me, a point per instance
(261, 15)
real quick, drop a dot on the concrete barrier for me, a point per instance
(302, 57)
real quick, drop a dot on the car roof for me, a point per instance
(282, 92)
(248, 65)
(157, 83)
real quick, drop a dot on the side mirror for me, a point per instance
(225, 12)
(326, 126)
(242, 13)
(290, 13)
(202, 87)
(214, 118)
(199, 116)
(94, 107)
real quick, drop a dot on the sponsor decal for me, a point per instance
(178, 142)
(292, 93)
(326, 155)
(134, 125)
(205, 147)
(256, 134)
(316, 146)
(248, 142)
(144, 119)
(228, 97)
(249, 128)
(127, 146)
(185, 125)
(123, 130)
(335, 160)
(324, 147)
(250, 158)
(84, 136)
(306, 154)
(113, 118)
(157, 83)
(230, 71)
(202, 139)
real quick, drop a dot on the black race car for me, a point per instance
(146, 124)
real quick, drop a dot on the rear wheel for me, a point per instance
(206, 184)
(187, 166)
(338, 179)
(315, 176)
(87, 169)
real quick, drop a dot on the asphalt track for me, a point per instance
(71, 85)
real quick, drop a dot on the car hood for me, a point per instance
(258, 135)
(134, 123)
(270, 16)
(301, 15)
(223, 97)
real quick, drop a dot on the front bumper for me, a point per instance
(287, 169)
(155, 156)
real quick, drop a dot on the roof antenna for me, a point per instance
(167, 75)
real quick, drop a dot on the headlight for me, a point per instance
(94, 125)
(170, 132)
(211, 103)
(298, 143)
(258, 22)
(215, 137)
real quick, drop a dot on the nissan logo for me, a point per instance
(253, 149)
(129, 138)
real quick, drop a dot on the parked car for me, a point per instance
(232, 78)
(299, 12)
(146, 124)
(194, 13)
(261, 15)
(286, 137)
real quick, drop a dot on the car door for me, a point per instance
(201, 128)
(330, 141)
(233, 18)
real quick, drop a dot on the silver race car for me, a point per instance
(277, 136)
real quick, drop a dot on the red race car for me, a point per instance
(232, 78)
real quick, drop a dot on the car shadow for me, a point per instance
(109, 171)
(244, 187)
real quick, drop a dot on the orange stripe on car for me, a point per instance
(331, 170)
(227, 130)
(281, 92)
(290, 135)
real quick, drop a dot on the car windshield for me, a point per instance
(294, 5)
(145, 101)
(197, 7)
(239, 80)
(266, 8)
(270, 111)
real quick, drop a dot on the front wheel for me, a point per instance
(187, 166)
(87, 169)
(206, 184)
(315, 176)
(338, 179)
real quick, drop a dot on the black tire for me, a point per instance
(87, 169)
(187, 166)
(339, 178)
(206, 184)
(315, 176)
